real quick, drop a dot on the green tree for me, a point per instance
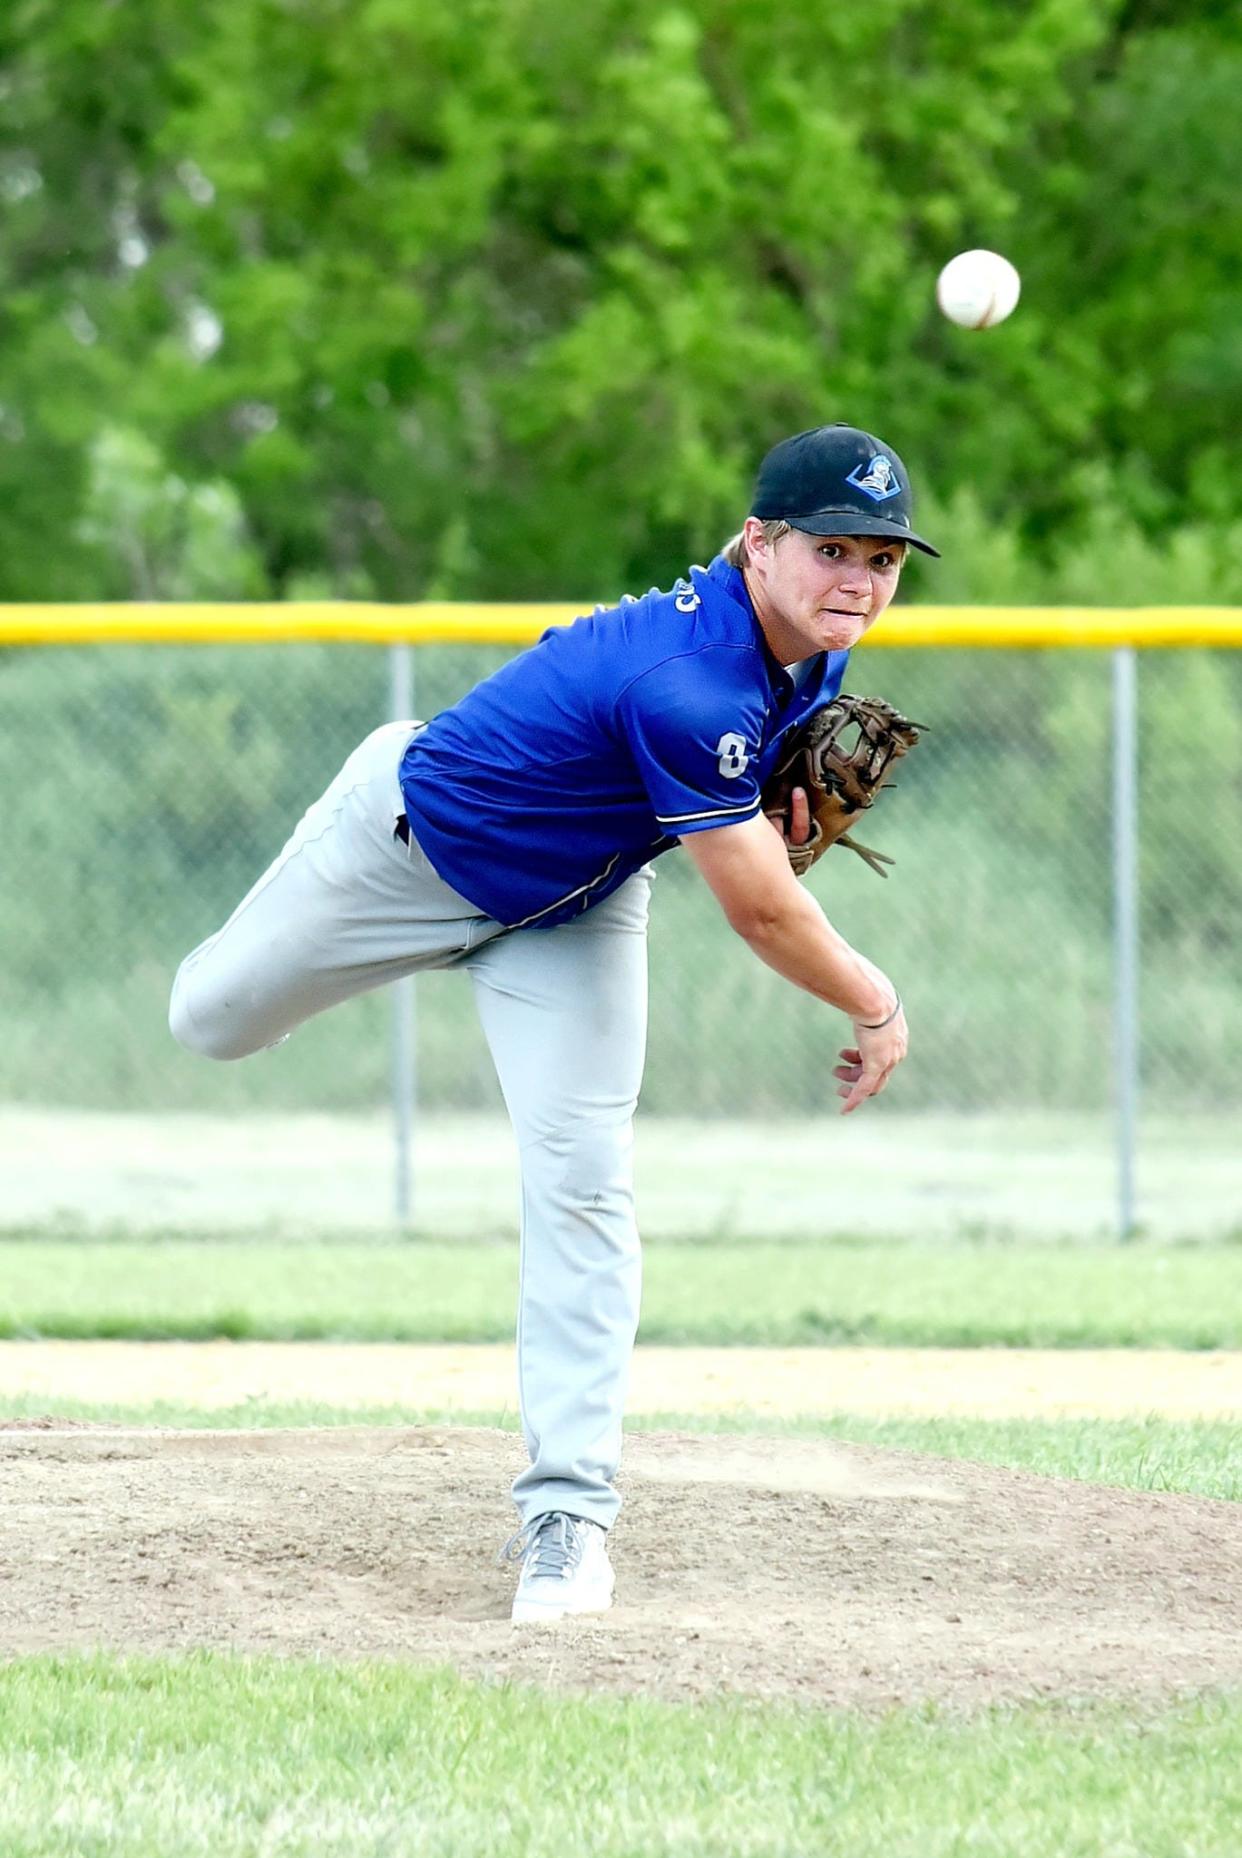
(157, 537)
(508, 303)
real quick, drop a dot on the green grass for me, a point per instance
(952, 1295)
(237, 1757)
(1201, 1457)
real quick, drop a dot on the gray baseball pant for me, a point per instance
(348, 906)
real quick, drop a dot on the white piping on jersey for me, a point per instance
(718, 812)
(569, 896)
(601, 877)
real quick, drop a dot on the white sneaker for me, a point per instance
(565, 1568)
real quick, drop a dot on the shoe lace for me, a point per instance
(551, 1545)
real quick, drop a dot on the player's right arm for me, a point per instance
(748, 871)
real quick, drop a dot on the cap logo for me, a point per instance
(879, 480)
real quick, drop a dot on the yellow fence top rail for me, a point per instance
(446, 622)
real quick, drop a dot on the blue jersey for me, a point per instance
(583, 758)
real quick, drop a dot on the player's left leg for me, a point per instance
(565, 1014)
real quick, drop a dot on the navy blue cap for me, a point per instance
(836, 480)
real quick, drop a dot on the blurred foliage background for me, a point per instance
(151, 786)
(458, 298)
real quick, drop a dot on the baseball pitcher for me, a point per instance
(514, 835)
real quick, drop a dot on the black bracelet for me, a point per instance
(881, 1023)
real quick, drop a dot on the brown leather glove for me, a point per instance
(842, 756)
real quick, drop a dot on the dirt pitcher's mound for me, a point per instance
(766, 1566)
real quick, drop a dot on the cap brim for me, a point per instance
(853, 522)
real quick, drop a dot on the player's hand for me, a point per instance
(865, 1068)
(799, 830)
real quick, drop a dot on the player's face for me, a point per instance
(822, 592)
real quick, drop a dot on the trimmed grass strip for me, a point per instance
(234, 1757)
(897, 1294)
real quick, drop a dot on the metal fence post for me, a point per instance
(1125, 931)
(404, 1009)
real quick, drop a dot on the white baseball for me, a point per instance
(977, 289)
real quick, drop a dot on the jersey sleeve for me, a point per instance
(695, 729)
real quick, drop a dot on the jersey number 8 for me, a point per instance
(734, 760)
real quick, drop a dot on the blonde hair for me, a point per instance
(734, 550)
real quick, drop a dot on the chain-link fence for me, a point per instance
(146, 787)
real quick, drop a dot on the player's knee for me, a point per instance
(200, 1030)
(587, 1168)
